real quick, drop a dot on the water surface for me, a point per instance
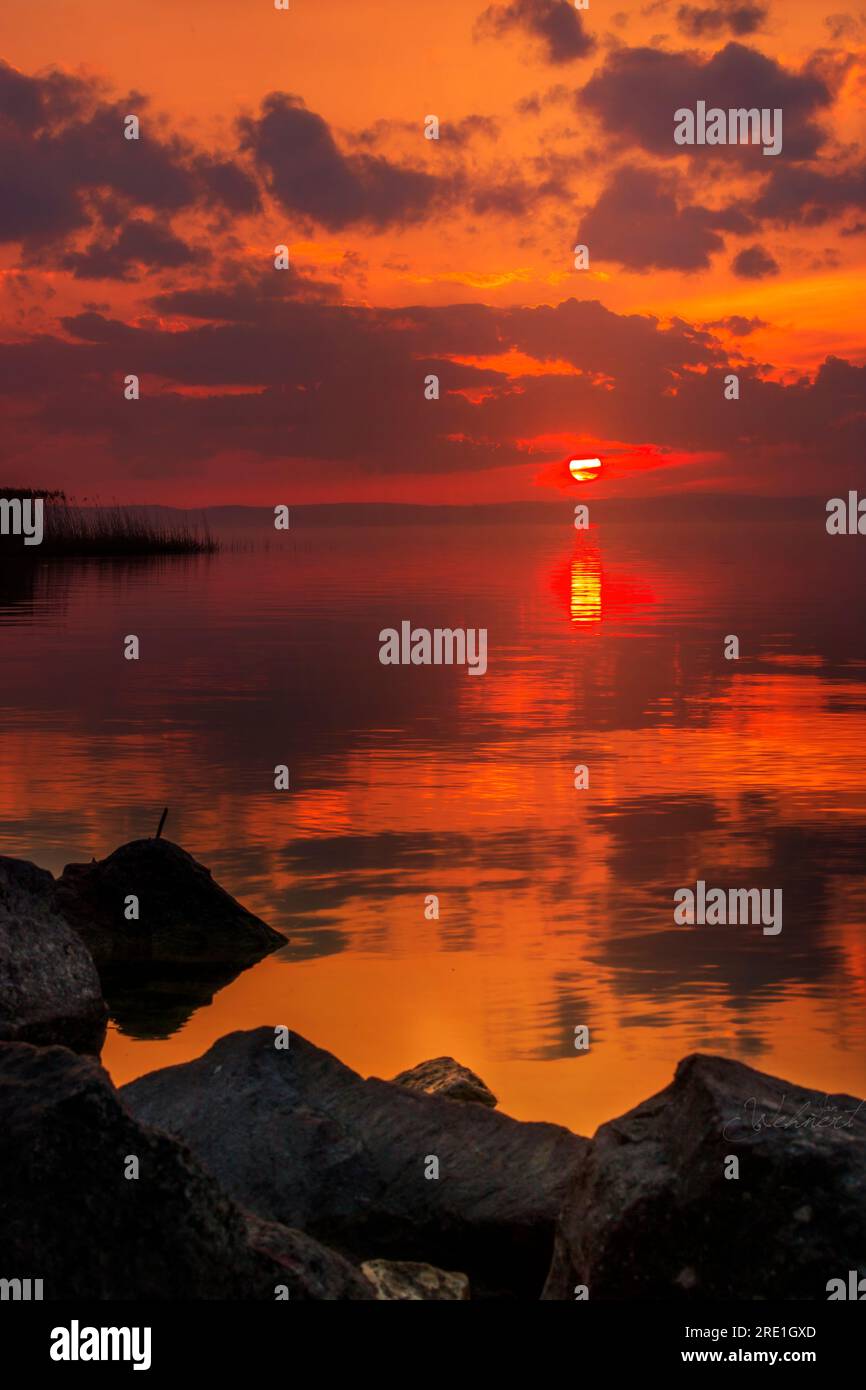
(556, 905)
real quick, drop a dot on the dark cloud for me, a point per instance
(534, 104)
(470, 127)
(245, 298)
(738, 325)
(639, 221)
(511, 197)
(809, 197)
(309, 174)
(460, 132)
(583, 333)
(30, 103)
(225, 184)
(63, 156)
(270, 390)
(139, 244)
(739, 20)
(556, 23)
(637, 91)
(754, 263)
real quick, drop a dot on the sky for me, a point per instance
(412, 257)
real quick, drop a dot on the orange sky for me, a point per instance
(372, 70)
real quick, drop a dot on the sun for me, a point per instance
(584, 470)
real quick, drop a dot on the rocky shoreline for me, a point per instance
(268, 1169)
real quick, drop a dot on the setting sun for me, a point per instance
(584, 470)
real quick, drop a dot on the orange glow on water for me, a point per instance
(555, 903)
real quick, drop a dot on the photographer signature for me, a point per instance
(807, 1117)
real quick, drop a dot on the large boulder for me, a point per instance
(299, 1138)
(70, 1216)
(444, 1077)
(191, 938)
(653, 1215)
(184, 916)
(49, 987)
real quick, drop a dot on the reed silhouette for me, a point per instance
(70, 529)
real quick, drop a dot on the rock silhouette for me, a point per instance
(298, 1137)
(191, 939)
(68, 1212)
(184, 916)
(49, 987)
(651, 1214)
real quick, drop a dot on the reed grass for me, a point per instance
(111, 531)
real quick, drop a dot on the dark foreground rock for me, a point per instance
(70, 1217)
(299, 1138)
(184, 916)
(651, 1214)
(400, 1279)
(309, 1270)
(49, 987)
(444, 1077)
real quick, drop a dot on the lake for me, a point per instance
(605, 649)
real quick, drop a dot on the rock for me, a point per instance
(69, 1216)
(299, 1138)
(185, 918)
(191, 940)
(309, 1270)
(651, 1214)
(393, 1279)
(49, 987)
(444, 1077)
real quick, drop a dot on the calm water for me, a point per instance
(556, 906)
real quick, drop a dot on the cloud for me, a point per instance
(556, 23)
(637, 91)
(738, 325)
(31, 103)
(225, 184)
(140, 243)
(809, 197)
(258, 391)
(639, 221)
(308, 174)
(535, 103)
(464, 131)
(244, 296)
(846, 28)
(737, 19)
(63, 157)
(754, 263)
